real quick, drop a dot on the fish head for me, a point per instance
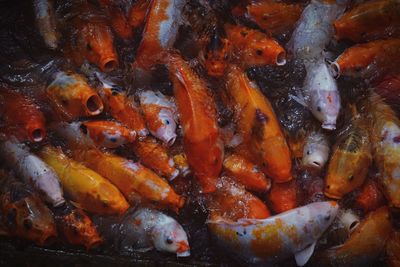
(171, 237)
(166, 131)
(263, 50)
(323, 213)
(325, 106)
(98, 45)
(316, 152)
(217, 55)
(36, 129)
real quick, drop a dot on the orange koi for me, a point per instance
(233, 202)
(259, 127)
(160, 31)
(370, 197)
(371, 20)
(273, 16)
(72, 97)
(86, 188)
(118, 19)
(108, 134)
(21, 117)
(155, 156)
(202, 143)
(350, 160)
(389, 88)
(246, 173)
(252, 47)
(77, 227)
(130, 177)
(368, 60)
(283, 196)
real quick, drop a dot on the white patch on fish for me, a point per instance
(169, 28)
(132, 166)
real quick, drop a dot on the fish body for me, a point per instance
(278, 237)
(363, 246)
(137, 13)
(118, 19)
(88, 189)
(350, 160)
(77, 227)
(121, 107)
(283, 196)
(246, 173)
(370, 197)
(161, 28)
(131, 178)
(72, 97)
(273, 16)
(359, 24)
(254, 48)
(24, 215)
(370, 60)
(316, 151)
(159, 113)
(21, 117)
(46, 22)
(259, 126)
(146, 229)
(33, 171)
(196, 107)
(155, 156)
(386, 148)
(107, 134)
(389, 88)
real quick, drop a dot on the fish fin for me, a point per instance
(299, 98)
(304, 255)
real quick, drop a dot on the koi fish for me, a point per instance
(76, 226)
(348, 220)
(278, 237)
(162, 23)
(33, 171)
(21, 117)
(216, 54)
(90, 38)
(137, 13)
(369, 60)
(232, 202)
(130, 178)
(370, 197)
(23, 214)
(314, 30)
(259, 126)
(386, 148)
(121, 107)
(118, 19)
(283, 196)
(155, 156)
(86, 188)
(46, 22)
(71, 96)
(393, 250)
(389, 88)
(159, 113)
(145, 229)
(364, 245)
(108, 134)
(202, 144)
(316, 151)
(350, 160)
(359, 24)
(246, 173)
(254, 48)
(181, 164)
(273, 16)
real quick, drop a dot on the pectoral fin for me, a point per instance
(304, 255)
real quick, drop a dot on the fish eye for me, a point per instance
(308, 152)
(83, 129)
(351, 177)
(319, 109)
(243, 33)
(327, 218)
(88, 47)
(169, 240)
(166, 122)
(259, 52)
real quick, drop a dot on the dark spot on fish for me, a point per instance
(11, 218)
(239, 234)
(105, 204)
(88, 47)
(166, 122)
(259, 52)
(243, 33)
(308, 152)
(64, 102)
(244, 232)
(28, 224)
(261, 117)
(327, 218)
(113, 139)
(84, 129)
(169, 240)
(396, 139)
(384, 135)
(78, 216)
(215, 42)
(351, 177)
(116, 89)
(319, 109)
(328, 186)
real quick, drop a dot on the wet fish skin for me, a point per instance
(316, 151)
(46, 22)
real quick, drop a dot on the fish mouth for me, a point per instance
(183, 254)
(334, 69)
(108, 64)
(329, 126)
(174, 175)
(170, 141)
(183, 249)
(94, 105)
(58, 202)
(37, 135)
(281, 59)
